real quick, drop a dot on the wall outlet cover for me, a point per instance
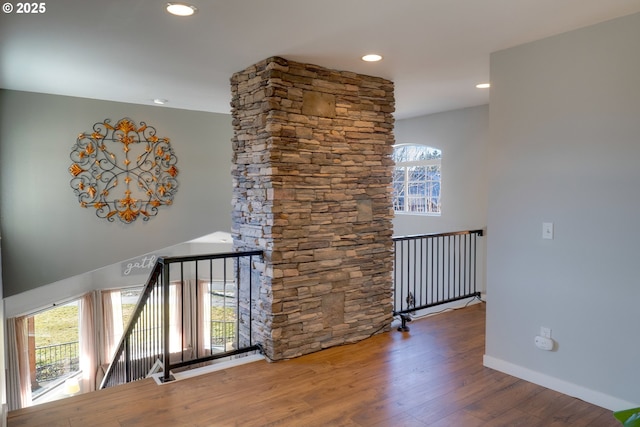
(544, 343)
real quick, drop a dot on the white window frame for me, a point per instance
(428, 198)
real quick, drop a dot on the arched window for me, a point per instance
(416, 180)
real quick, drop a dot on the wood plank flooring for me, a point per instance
(431, 376)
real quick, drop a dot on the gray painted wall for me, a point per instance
(47, 236)
(564, 148)
(463, 137)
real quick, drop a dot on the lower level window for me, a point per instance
(53, 342)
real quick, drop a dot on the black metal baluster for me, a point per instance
(238, 313)
(466, 267)
(165, 324)
(192, 319)
(249, 272)
(211, 300)
(449, 256)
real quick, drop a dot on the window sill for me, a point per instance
(417, 214)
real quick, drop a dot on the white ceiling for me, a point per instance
(133, 51)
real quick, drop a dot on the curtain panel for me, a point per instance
(18, 375)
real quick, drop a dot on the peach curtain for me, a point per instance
(88, 341)
(112, 327)
(204, 319)
(18, 375)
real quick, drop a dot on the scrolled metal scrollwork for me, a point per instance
(123, 170)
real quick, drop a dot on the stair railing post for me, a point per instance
(127, 361)
(166, 326)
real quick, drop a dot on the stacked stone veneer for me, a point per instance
(312, 187)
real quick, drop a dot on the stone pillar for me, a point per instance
(312, 173)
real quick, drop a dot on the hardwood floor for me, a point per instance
(431, 376)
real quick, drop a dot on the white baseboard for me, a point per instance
(446, 307)
(591, 396)
(216, 366)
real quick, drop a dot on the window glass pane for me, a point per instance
(416, 187)
(433, 197)
(222, 300)
(398, 189)
(410, 153)
(53, 347)
(129, 298)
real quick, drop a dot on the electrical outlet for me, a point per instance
(543, 343)
(545, 332)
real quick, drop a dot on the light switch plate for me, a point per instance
(547, 230)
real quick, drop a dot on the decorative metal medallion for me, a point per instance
(123, 170)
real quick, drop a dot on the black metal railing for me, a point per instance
(222, 333)
(56, 361)
(434, 269)
(193, 309)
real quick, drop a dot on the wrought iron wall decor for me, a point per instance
(123, 170)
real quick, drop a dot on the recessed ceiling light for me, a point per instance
(483, 85)
(181, 9)
(372, 57)
(160, 101)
